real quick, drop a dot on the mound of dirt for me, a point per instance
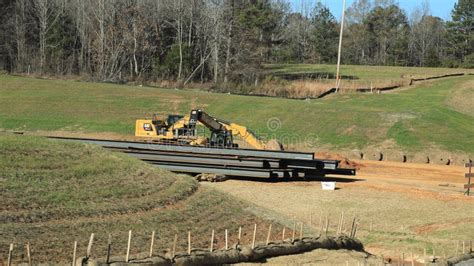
(344, 161)
(274, 145)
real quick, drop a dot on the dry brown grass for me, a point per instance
(462, 98)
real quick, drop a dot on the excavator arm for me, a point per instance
(245, 134)
(223, 129)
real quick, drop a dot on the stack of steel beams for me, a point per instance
(224, 161)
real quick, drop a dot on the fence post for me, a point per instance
(254, 234)
(468, 176)
(327, 224)
(457, 248)
(212, 241)
(240, 234)
(283, 234)
(109, 247)
(28, 254)
(128, 245)
(10, 254)
(89, 247)
(152, 242)
(301, 231)
(189, 242)
(352, 226)
(294, 230)
(226, 240)
(173, 250)
(74, 254)
(269, 233)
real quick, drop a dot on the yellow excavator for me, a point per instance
(183, 130)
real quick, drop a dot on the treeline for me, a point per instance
(220, 40)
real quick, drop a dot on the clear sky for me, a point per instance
(439, 8)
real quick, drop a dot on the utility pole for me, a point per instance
(340, 46)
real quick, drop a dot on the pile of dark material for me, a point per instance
(238, 254)
(225, 161)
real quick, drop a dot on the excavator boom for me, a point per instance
(184, 128)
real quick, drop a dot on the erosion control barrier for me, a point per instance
(458, 259)
(238, 253)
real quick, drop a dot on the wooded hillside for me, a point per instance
(221, 40)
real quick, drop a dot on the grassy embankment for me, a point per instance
(54, 193)
(425, 116)
(311, 80)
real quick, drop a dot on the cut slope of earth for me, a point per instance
(55, 193)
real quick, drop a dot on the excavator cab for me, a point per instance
(174, 127)
(222, 139)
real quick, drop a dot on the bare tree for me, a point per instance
(47, 13)
(20, 32)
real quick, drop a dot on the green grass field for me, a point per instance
(415, 119)
(54, 193)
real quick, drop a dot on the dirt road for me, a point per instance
(402, 207)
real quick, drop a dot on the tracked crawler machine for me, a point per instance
(183, 130)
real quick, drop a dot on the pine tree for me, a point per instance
(460, 31)
(325, 34)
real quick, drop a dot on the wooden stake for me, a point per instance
(74, 254)
(320, 226)
(89, 247)
(412, 259)
(294, 230)
(327, 224)
(403, 259)
(128, 245)
(152, 242)
(355, 229)
(10, 254)
(212, 241)
(301, 231)
(339, 224)
(175, 241)
(470, 246)
(269, 233)
(28, 254)
(463, 247)
(109, 248)
(352, 226)
(226, 240)
(283, 234)
(240, 234)
(189, 242)
(457, 248)
(254, 235)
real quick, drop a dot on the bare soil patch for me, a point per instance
(402, 207)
